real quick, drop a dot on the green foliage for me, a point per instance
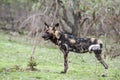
(36, 6)
(21, 4)
(21, 1)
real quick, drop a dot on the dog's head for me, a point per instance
(51, 32)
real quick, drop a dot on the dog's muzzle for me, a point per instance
(46, 36)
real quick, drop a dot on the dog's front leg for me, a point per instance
(65, 61)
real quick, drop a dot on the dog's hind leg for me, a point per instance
(100, 59)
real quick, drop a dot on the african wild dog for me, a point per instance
(68, 43)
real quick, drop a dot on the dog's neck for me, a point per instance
(56, 38)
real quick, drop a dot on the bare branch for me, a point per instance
(94, 19)
(65, 17)
(56, 11)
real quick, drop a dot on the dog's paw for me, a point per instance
(62, 72)
(104, 75)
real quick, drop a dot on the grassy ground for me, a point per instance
(15, 53)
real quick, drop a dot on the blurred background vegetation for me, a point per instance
(99, 18)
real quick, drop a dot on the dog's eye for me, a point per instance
(47, 32)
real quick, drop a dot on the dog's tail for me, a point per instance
(96, 44)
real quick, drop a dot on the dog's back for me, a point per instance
(79, 45)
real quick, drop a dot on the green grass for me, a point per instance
(15, 51)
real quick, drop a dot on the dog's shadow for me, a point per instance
(50, 71)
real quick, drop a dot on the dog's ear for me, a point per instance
(56, 26)
(46, 25)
